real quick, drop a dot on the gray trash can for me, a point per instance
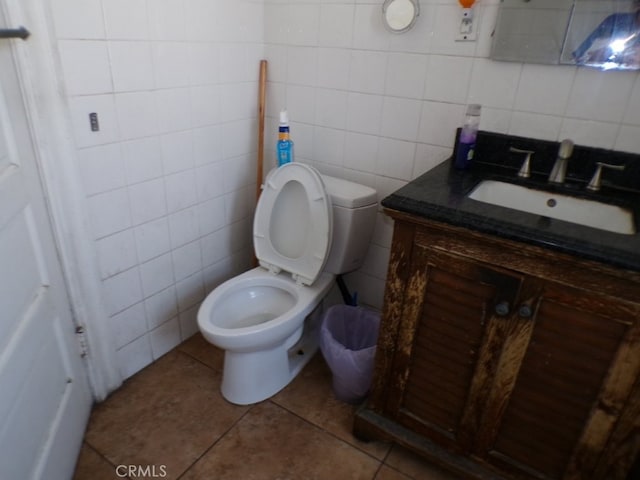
(348, 339)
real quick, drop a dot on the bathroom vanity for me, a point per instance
(510, 342)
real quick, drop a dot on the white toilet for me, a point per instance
(307, 229)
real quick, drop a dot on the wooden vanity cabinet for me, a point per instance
(502, 360)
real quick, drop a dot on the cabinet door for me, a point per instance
(448, 344)
(556, 401)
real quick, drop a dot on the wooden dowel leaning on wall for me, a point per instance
(262, 85)
(261, 112)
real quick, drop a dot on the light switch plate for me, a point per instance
(468, 26)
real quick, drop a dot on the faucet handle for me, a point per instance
(525, 169)
(595, 183)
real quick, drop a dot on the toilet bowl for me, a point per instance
(267, 319)
(261, 322)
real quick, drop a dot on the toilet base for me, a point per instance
(251, 377)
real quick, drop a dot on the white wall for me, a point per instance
(381, 109)
(170, 177)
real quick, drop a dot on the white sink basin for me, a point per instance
(562, 207)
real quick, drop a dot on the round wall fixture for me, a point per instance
(400, 15)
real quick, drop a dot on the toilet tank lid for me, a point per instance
(349, 194)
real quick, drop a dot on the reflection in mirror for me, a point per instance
(531, 31)
(604, 34)
(594, 33)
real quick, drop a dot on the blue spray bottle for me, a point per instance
(284, 148)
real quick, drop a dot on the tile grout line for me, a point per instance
(208, 449)
(100, 454)
(197, 359)
(329, 433)
(381, 462)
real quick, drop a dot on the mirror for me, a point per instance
(399, 15)
(596, 33)
(604, 34)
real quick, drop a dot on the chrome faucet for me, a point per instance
(559, 171)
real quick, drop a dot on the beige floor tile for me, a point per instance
(271, 443)
(310, 397)
(200, 349)
(168, 414)
(92, 466)
(416, 467)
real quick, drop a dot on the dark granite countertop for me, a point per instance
(441, 194)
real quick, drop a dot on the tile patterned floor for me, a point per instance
(171, 414)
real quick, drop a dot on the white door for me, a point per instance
(45, 397)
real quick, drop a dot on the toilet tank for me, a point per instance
(354, 216)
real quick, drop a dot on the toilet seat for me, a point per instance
(292, 227)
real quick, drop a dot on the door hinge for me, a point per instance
(82, 341)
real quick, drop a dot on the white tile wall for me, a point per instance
(174, 84)
(335, 28)
(183, 227)
(161, 307)
(147, 201)
(85, 66)
(152, 239)
(125, 19)
(414, 71)
(447, 78)
(156, 275)
(122, 290)
(129, 324)
(177, 151)
(131, 66)
(536, 97)
(190, 291)
(406, 94)
(142, 159)
(137, 114)
(102, 168)
(188, 321)
(169, 177)
(367, 72)
(109, 212)
(78, 18)
(134, 356)
(400, 118)
(600, 95)
(164, 338)
(364, 113)
(117, 253)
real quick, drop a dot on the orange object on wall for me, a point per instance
(467, 3)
